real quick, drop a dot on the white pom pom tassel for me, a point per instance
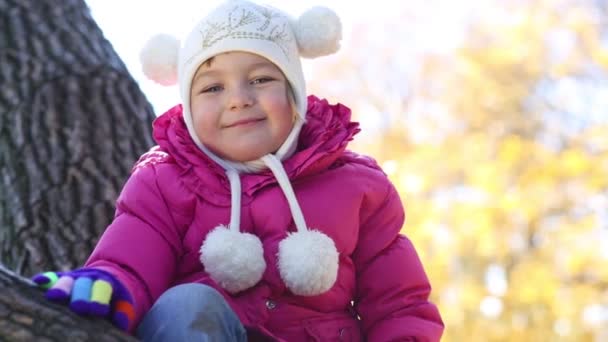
(318, 32)
(234, 260)
(159, 59)
(308, 262)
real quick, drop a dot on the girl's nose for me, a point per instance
(240, 97)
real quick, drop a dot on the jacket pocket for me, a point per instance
(333, 329)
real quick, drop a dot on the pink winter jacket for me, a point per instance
(176, 195)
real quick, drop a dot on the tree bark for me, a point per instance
(72, 123)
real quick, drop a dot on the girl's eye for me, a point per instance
(261, 80)
(212, 89)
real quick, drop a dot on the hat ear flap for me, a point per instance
(159, 57)
(318, 32)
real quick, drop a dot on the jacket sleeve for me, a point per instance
(392, 287)
(142, 244)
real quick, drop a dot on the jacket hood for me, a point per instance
(322, 141)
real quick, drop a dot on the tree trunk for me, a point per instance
(72, 124)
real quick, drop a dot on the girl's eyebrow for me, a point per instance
(259, 65)
(215, 72)
(209, 73)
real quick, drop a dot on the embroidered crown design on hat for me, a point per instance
(307, 259)
(235, 26)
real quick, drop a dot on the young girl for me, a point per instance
(250, 219)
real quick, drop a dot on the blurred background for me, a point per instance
(491, 117)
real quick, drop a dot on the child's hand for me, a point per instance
(90, 292)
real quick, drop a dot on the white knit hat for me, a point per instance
(307, 260)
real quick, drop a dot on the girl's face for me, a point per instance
(240, 106)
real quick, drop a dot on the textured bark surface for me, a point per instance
(25, 315)
(72, 123)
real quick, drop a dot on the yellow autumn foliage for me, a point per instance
(500, 187)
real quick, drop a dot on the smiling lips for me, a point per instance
(245, 122)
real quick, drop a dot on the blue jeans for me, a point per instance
(191, 312)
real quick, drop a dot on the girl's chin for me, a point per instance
(245, 157)
(244, 149)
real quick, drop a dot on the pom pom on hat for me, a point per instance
(308, 262)
(233, 259)
(159, 58)
(318, 32)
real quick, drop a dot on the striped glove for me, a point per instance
(91, 292)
